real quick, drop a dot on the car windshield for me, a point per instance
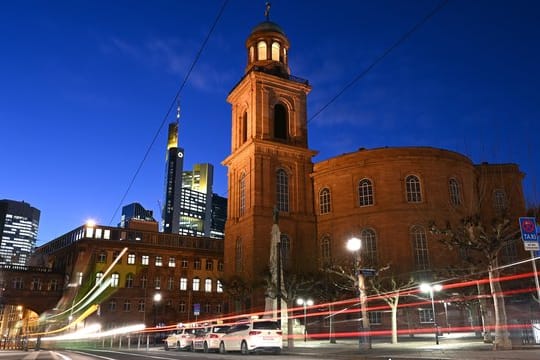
(220, 329)
(265, 325)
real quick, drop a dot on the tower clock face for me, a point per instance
(180, 154)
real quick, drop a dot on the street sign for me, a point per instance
(528, 233)
(537, 252)
(368, 272)
(196, 309)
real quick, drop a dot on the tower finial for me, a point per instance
(178, 111)
(267, 11)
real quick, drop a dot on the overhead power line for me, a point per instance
(171, 107)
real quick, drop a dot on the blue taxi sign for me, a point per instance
(528, 233)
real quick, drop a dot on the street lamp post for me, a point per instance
(354, 245)
(305, 303)
(427, 288)
(157, 299)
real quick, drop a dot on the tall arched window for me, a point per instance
(455, 193)
(419, 241)
(238, 256)
(325, 250)
(414, 192)
(282, 190)
(324, 201)
(261, 51)
(365, 192)
(275, 51)
(242, 193)
(280, 122)
(369, 248)
(244, 127)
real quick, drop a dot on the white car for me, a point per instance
(182, 338)
(209, 341)
(253, 336)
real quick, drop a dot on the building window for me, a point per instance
(129, 280)
(324, 201)
(115, 256)
(208, 285)
(280, 122)
(159, 261)
(102, 257)
(499, 199)
(421, 254)
(426, 316)
(172, 262)
(184, 263)
(275, 51)
(244, 127)
(170, 283)
(209, 264)
(369, 251)
(127, 305)
(375, 317)
(144, 281)
(99, 276)
(325, 250)
(197, 264)
(131, 259)
(182, 307)
(414, 192)
(242, 194)
(238, 256)
(219, 286)
(115, 279)
(157, 282)
(141, 306)
(53, 285)
(365, 192)
(36, 284)
(220, 265)
(282, 190)
(261, 50)
(112, 305)
(207, 308)
(455, 193)
(145, 260)
(183, 284)
(196, 284)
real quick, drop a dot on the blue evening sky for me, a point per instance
(85, 86)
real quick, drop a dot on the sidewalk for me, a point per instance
(420, 347)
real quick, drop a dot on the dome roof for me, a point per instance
(267, 26)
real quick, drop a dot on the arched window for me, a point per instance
(365, 192)
(414, 192)
(369, 251)
(244, 127)
(275, 51)
(421, 254)
(280, 122)
(115, 279)
(242, 195)
(282, 190)
(261, 51)
(238, 256)
(285, 249)
(129, 280)
(324, 201)
(455, 193)
(325, 250)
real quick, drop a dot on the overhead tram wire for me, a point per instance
(381, 57)
(171, 107)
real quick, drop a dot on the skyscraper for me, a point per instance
(196, 201)
(19, 224)
(173, 180)
(135, 211)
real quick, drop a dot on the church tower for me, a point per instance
(269, 168)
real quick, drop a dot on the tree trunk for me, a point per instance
(502, 337)
(394, 308)
(483, 314)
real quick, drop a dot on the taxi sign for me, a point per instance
(528, 233)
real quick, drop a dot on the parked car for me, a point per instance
(209, 340)
(253, 336)
(182, 338)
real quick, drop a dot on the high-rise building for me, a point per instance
(19, 224)
(173, 181)
(135, 211)
(219, 216)
(196, 201)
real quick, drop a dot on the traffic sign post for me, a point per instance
(529, 235)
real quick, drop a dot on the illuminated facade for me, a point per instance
(19, 224)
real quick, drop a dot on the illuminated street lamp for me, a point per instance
(354, 245)
(305, 303)
(157, 299)
(427, 288)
